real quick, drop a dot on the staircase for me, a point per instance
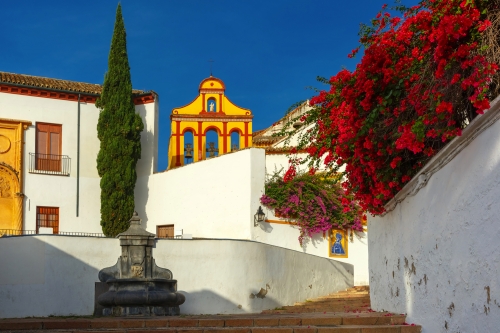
(344, 312)
(353, 300)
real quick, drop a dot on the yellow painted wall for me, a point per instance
(11, 173)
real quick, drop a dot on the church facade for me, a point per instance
(211, 110)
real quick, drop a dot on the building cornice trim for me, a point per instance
(64, 95)
(226, 118)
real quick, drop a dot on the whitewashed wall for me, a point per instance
(277, 162)
(436, 255)
(215, 198)
(60, 191)
(55, 275)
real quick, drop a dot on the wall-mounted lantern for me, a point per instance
(259, 217)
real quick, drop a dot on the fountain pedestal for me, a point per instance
(137, 286)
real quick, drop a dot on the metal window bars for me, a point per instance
(49, 164)
(15, 232)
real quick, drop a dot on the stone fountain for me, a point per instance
(137, 287)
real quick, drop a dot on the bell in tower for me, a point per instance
(188, 152)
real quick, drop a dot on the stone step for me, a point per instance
(329, 319)
(405, 328)
(335, 301)
(313, 310)
(348, 296)
(326, 305)
(342, 314)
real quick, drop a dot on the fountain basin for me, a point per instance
(146, 297)
(137, 286)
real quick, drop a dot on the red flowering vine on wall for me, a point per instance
(421, 80)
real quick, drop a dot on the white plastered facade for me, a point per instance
(435, 254)
(43, 190)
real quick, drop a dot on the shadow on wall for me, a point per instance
(348, 272)
(147, 144)
(145, 168)
(141, 198)
(361, 237)
(41, 279)
(199, 301)
(222, 275)
(266, 227)
(313, 241)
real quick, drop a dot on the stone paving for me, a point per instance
(345, 312)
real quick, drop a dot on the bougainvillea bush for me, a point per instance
(315, 202)
(421, 79)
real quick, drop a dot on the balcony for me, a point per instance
(47, 164)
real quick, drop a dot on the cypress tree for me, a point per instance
(119, 131)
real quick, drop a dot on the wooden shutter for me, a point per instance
(48, 147)
(165, 231)
(47, 217)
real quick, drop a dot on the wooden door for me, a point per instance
(165, 231)
(48, 147)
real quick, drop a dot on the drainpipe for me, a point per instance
(78, 161)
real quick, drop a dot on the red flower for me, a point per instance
(395, 162)
(484, 25)
(290, 173)
(385, 119)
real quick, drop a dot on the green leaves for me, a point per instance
(419, 129)
(119, 130)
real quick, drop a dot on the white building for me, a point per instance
(54, 156)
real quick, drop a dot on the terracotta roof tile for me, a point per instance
(267, 139)
(259, 132)
(55, 84)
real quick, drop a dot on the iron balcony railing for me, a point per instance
(49, 164)
(14, 232)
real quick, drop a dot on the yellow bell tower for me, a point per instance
(211, 110)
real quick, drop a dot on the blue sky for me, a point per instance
(266, 52)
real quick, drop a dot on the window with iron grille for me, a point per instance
(47, 217)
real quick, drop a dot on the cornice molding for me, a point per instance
(445, 155)
(40, 92)
(212, 91)
(25, 123)
(144, 99)
(282, 151)
(67, 96)
(245, 119)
